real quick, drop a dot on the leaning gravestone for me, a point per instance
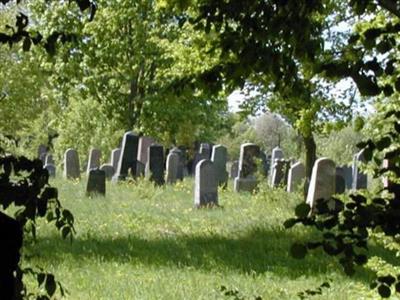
(128, 157)
(219, 158)
(246, 180)
(297, 174)
(322, 184)
(49, 159)
(108, 170)
(172, 167)
(96, 183)
(115, 154)
(94, 160)
(71, 164)
(206, 184)
(359, 178)
(143, 146)
(234, 169)
(340, 182)
(51, 169)
(155, 165)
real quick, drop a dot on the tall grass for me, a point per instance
(146, 242)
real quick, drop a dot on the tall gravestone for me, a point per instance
(234, 169)
(206, 184)
(322, 183)
(172, 167)
(219, 157)
(71, 164)
(359, 178)
(155, 164)
(49, 159)
(340, 183)
(296, 176)
(96, 183)
(115, 154)
(143, 147)
(108, 170)
(128, 157)
(279, 172)
(181, 163)
(94, 160)
(277, 153)
(246, 180)
(51, 169)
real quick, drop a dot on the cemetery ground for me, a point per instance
(146, 242)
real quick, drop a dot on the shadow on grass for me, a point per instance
(257, 251)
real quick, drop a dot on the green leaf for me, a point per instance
(289, 223)
(384, 291)
(302, 210)
(298, 251)
(50, 285)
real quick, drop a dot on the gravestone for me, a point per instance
(206, 184)
(94, 160)
(279, 172)
(172, 167)
(42, 151)
(359, 178)
(219, 157)
(51, 169)
(277, 153)
(96, 183)
(11, 236)
(348, 176)
(49, 159)
(205, 150)
(234, 169)
(322, 184)
(184, 160)
(181, 164)
(340, 183)
(108, 170)
(143, 146)
(246, 180)
(155, 165)
(296, 176)
(140, 170)
(115, 154)
(128, 157)
(71, 164)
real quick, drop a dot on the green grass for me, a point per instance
(141, 242)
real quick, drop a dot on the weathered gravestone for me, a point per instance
(11, 235)
(359, 178)
(49, 159)
(206, 184)
(115, 154)
(71, 164)
(108, 170)
(172, 167)
(205, 150)
(143, 146)
(246, 180)
(94, 160)
(234, 169)
(296, 176)
(96, 183)
(128, 157)
(202, 154)
(348, 176)
(277, 153)
(140, 169)
(279, 172)
(181, 163)
(322, 182)
(42, 151)
(51, 169)
(155, 164)
(219, 157)
(340, 182)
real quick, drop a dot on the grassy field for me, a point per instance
(141, 242)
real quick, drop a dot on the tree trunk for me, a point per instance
(311, 149)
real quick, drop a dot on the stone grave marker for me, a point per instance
(181, 164)
(296, 176)
(51, 169)
(155, 165)
(206, 184)
(108, 170)
(71, 164)
(359, 178)
(49, 159)
(219, 157)
(143, 146)
(94, 160)
(277, 153)
(234, 169)
(340, 183)
(205, 150)
(279, 172)
(96, 183)
(128, 157)
(348, 176)
(246, 180)
(172, 167)
(322, 184)
(115, 154)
